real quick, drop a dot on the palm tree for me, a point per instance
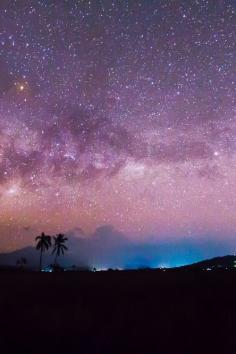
(21, 262)
(43, 244)
(59, 246)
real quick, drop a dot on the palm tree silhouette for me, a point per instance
(43, 244)
(59, 246)
(21, 262)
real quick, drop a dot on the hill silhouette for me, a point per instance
(32, 256)
(108, 247)
(225, 262)
(80, 248)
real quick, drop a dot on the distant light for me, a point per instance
(163, 266)
(100, 269)
(47, 270)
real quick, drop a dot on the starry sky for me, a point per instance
(118, 113)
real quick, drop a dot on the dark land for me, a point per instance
(147, 311)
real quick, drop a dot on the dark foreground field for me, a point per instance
(118, 312)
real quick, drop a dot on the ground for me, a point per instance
(172, 312)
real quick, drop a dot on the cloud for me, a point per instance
(108, 247)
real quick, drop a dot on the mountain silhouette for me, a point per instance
(32, 257)
(107, 247)
(85, 254)
(225, 262)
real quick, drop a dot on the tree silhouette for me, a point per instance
(59, 246)
(43, 244)
(21, 262)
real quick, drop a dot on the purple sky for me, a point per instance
(118, 113)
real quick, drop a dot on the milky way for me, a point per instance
(119, 113)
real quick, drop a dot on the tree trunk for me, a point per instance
(40, 260)
(55, 262)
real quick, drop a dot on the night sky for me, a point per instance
(118, 113)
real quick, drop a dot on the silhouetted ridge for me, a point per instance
(225, 262)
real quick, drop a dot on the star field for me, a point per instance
(117, 112)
